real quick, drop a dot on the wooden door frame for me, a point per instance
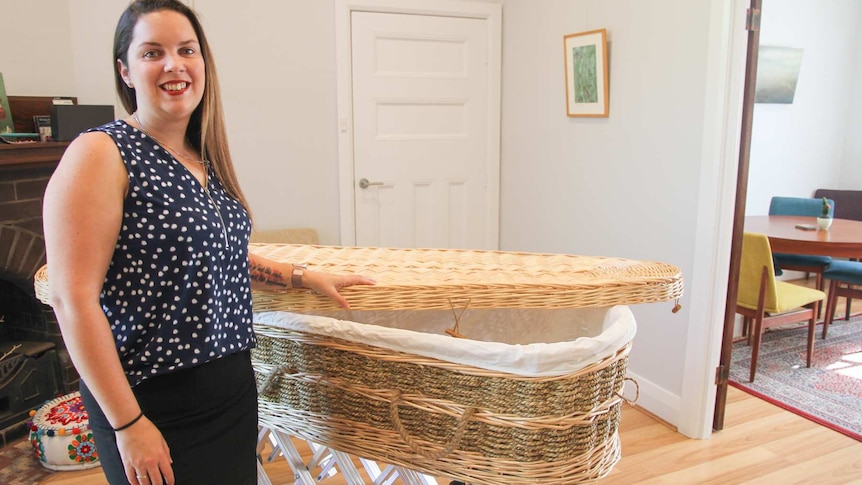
(489, 11)
(723, 372)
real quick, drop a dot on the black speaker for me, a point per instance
(69, 120)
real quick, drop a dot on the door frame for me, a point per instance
(716, 213)
(753, 43)
(488, 11)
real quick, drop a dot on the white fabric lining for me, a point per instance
(532, 343)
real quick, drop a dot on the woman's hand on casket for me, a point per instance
(275, 275)
(330, 284)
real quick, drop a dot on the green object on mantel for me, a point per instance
(19, 137)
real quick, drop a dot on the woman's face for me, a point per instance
(165, 65)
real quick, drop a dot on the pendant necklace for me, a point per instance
(169, 148)
(174, 151)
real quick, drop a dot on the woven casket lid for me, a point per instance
(433, 279)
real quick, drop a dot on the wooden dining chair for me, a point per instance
(848, 205)
(808, 264)
(842, 275)
(766, 302)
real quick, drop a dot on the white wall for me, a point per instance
(626, 185)
(92, 24)
(631, 185)
(851, 165)
(37, 56)
(813, 142)
(277, 71)
(59, 48)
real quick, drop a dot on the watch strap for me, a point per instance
(296, 275)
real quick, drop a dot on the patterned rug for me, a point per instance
(19, 466)
(830, 392)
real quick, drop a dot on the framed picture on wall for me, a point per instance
(777, 74)
(6, 124)
(586, 61)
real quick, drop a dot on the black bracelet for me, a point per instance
(130, 423)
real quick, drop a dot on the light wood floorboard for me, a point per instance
(760, 444)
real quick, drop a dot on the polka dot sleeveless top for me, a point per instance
(177, 291)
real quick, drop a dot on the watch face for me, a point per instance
(296, 276)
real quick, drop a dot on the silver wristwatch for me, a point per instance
(296, 275)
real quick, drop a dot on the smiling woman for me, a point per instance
(182, 332)
(162, 63)
(147, 232)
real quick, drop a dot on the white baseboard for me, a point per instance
(654, 399)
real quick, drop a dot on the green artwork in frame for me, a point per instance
(586, 63)
(586, 81)
(6, 123)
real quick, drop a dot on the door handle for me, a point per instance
(364, 183)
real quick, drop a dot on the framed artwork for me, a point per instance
(586, 61)
(6, 124)
(777, 74)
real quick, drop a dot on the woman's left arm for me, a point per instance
(268, 274)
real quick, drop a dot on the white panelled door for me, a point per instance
(423, 138)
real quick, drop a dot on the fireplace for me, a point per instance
(34, 364)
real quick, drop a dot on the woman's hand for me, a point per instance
(329, 284)
(145, 454)
(272, 275)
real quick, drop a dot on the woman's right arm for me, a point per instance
(83, 212)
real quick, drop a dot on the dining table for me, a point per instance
(793, 234)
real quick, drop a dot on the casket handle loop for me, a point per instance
(460, 429)
(637, 392)
(272, 380)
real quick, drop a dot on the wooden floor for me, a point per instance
(760, 444)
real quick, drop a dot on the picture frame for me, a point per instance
(42, 123)
(777, 74)
(7, 125)
(586, 63)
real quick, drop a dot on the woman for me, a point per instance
(147, 232)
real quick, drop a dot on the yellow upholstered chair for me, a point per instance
(766, 302)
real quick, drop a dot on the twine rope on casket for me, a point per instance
(273, 379)
(454, 331)
(457, 435)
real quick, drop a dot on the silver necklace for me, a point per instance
(170, 148)
(205, 184)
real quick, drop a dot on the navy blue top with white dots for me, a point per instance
(177, 292)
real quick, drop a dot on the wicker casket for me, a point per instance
(532, 395)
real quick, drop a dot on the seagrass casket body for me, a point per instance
(531, 395)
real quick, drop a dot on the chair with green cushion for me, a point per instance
(766, 302)
(839, 274)
(801, 206)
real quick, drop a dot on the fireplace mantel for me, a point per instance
(25, 169)
(31, 155)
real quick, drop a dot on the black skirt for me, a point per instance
(207, 415)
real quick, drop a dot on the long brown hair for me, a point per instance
(206, 130)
